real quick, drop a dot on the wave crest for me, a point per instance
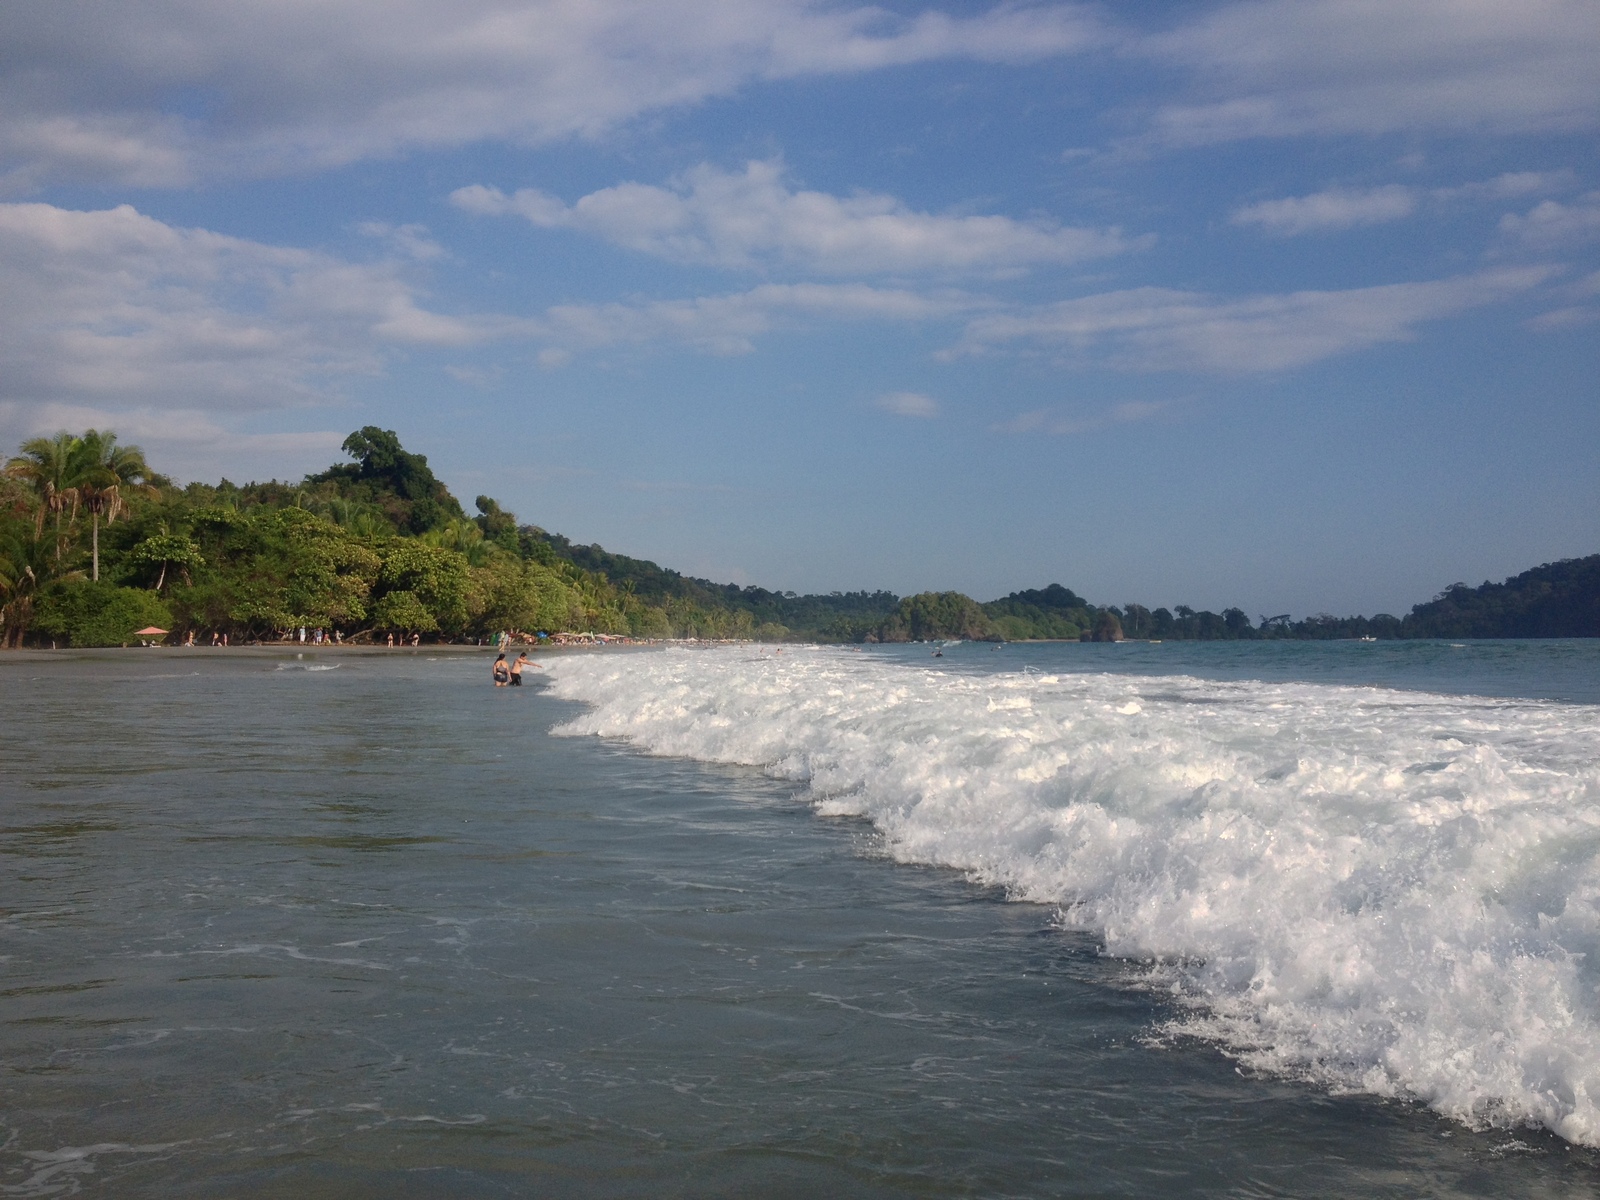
(1383, 891)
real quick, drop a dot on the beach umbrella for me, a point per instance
(151, 631)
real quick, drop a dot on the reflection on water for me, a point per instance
(369, 931)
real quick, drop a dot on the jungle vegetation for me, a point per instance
(95, 545)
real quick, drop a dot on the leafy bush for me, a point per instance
(98, 614)
(403, 613)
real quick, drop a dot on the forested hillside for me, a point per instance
(95, 544)
(1560, 599)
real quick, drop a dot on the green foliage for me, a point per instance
(27, 563)
(435, 577)
(930, 616)
(403, 612)
(1560, 599)
(1053, 612)
(90, 472)
(392, 480)
(86, 613)
(499, 526)
(268, 570)
(380, 544)
(690, 605)
(161, 552)
(465, 538)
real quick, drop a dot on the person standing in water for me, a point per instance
(501, 672)
(522, 660)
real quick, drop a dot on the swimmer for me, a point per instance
(501, 672)
(522, 660)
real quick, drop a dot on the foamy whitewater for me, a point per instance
(1376, 890)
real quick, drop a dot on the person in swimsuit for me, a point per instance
(502, 673)
(522, 660)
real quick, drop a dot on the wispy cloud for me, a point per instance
(478, 377)
(171, 92)
(754, 219)
(1280, 68)
(1579, 310)
(116, 307)
(189, 443)
(1337, 208)
(1551, 225)
(1346, 208)
(1161, 329)
(1048, 421)
(86, 89)
(908, 404)
(728, 324)
(1509, 186)
(410, 241)
(114, 304)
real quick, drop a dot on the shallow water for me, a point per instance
(370, 930)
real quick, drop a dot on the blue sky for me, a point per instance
(1294, 306)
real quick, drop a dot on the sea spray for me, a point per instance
(1378, 890)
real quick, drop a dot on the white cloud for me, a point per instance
(1045, 420)
(1276, 68)
(1572, 317)
(1337, 208)
(1550, 225)
(1581, 309)
(168, 91)
(117, 309)
(728, 324)
(751, 219)
(1507, 186)
(116, 306)
(183, 443)
(1163, 329)
(1347, 208)
(410, 241)
(478, 377)
(909, 404)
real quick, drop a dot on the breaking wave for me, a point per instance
(1383, 891)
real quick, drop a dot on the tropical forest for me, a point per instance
(97, 545)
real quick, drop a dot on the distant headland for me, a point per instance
(95, 545)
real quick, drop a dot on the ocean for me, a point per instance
(1224, 919)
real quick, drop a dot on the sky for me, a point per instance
(1292, 305)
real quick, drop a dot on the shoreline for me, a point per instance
(259, 649)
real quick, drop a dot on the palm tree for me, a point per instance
(47, 463)
(100, 470)
(25, 566)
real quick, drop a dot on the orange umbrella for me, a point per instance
(151, 631)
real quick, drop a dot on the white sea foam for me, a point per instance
(1383, 891)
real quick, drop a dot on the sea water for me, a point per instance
(1035, 921)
